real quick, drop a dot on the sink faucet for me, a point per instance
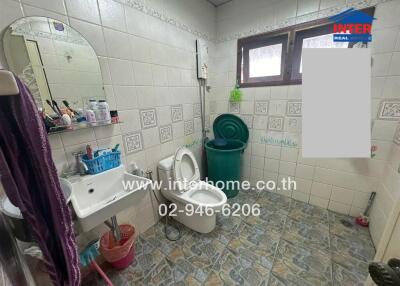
(80, 167)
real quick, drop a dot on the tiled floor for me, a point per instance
(290, 243)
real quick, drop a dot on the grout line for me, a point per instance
(330, 245)
(280, 239)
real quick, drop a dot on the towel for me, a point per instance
(30, 180)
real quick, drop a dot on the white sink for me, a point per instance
(96, 198)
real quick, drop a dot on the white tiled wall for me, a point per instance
(341, 185)
(147, 64)
(148, 68)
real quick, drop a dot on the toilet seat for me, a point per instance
(185, 168)
(188, 189)
(200, 194)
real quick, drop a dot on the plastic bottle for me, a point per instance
(93, 105)
(90, 117)
(104, 111)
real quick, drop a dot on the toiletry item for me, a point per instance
(89, 152)
(52, 107)
(66, 120)
(90, 117)
(69, 110)
(115, 149)
(56, 107)
(94, 107)
(67, 106)
(114, 116)
(48, 122)
(104, 111)
(81, 119)
(92, 104)
(104, 151)
(45, 115)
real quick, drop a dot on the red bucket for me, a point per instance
(119, 253)
(126, 261)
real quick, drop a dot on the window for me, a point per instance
(275, 58)
(263, 60)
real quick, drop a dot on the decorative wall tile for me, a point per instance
(293, 108)
(389, 110)
(196, 110)
(248, 119)
(162, 16)
(396, 138)
(165, 133)
(148, 118)
(292, 124)
(261, 107)
(176, 113)
(275, 123)
(234, 107)
(133, 142)
(292, 21)
(188, 127)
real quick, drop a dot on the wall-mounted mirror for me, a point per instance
(54, 61)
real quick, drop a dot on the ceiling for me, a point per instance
(217, 3)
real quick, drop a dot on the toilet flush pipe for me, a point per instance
(202, 93)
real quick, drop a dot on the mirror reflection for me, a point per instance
(55, 62)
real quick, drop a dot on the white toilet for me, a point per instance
(182, 167)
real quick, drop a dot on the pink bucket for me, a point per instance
(126, 261)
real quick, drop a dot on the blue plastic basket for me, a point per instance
(102, 163)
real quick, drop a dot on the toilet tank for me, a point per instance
(164, 169)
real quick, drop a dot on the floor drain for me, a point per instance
(346, 223)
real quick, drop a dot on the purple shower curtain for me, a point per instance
(30, 181)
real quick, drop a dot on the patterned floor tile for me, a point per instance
(343, 277)
(234, 269)
(147, 258)
(302, 233)
(353, 267)
(200, 251)
(275, 200)
(218, 234)
(302, 266)
(161, 275)
(244, 197)
(289, 244)
(274, 281)
(255, 245)
(304, 212)
(345, 226)
(185, 273)
(156, 235)
(269, 219)
(359, 249)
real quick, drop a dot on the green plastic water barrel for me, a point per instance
(224, 153)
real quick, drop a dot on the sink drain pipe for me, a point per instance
(114, 227)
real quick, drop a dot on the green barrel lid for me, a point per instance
(229, 126)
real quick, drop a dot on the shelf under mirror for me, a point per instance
(79, 126)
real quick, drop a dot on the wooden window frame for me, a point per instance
(277, 39)
(291, 51)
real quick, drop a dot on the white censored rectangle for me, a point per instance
(336, 103)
